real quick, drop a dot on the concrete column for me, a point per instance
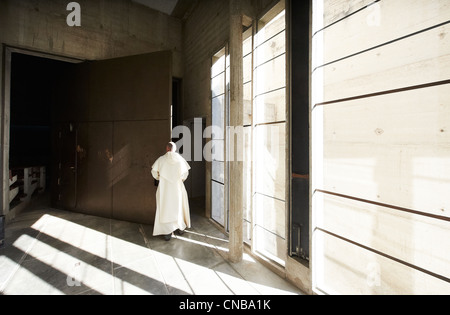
(4, 127)
(236, 120)
(2, 170)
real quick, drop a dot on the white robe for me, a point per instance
(172, 204)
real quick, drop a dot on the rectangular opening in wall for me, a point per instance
(219, 101)
(247, 53)
(269, 135)
(33, 83)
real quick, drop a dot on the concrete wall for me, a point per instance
(109, 29)
(381, 172)
(204, 33)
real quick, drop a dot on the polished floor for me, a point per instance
(52, 252)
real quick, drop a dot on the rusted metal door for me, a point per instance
(119, 110)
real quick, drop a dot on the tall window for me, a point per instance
(269, 132)
(220, 88)
(264, 126)
(264, 102)
(248, 121)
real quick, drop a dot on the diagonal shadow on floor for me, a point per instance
(48, 251)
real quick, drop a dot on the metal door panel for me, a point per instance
(120, 118)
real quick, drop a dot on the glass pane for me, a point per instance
(247, 199)
(218, 63)
(270, 107)
(267, 30)
(271, 75)
(248, 104)
(218, 116)
(247, 45)
(270, 160)
(227, 74)
(218, 85)
(270, 245)
(247, 72)
(217, 202)
(218, 171)
(272, 214)
(271, 49)
(218, 150)
(247, 227)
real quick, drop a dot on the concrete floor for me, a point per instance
(50, 251)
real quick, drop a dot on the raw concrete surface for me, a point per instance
(53, 252)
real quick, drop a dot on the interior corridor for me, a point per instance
(55, 252)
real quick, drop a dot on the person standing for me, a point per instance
(172, 204)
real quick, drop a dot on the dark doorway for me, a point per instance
(32, 89)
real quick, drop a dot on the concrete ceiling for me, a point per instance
(180, 9)
(165, 6)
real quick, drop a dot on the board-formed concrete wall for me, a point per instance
(109, 29)
(381, 159)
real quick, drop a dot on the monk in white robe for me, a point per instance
(172, 204)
